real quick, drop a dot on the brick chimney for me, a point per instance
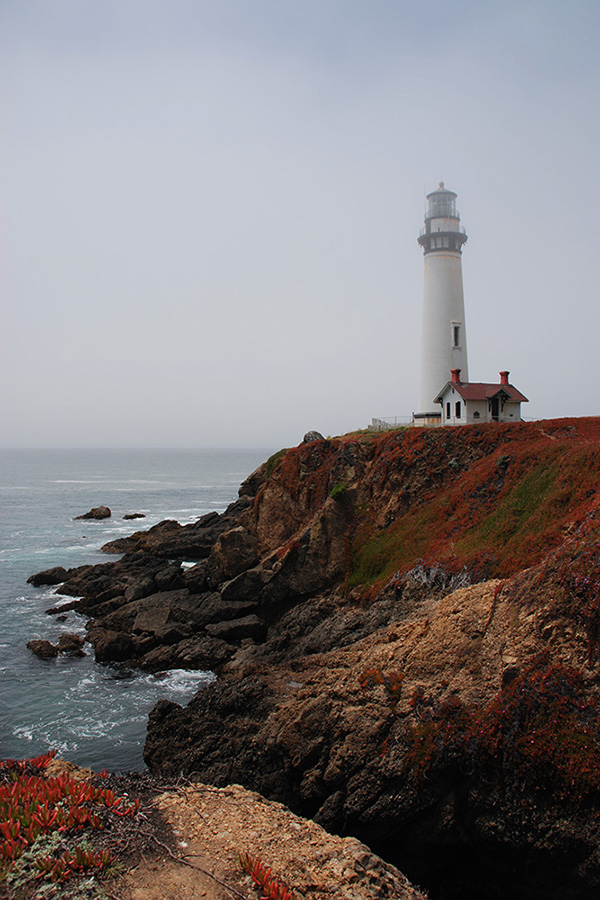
(456, 376)
(504, 377)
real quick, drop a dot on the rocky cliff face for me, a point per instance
(406, 632)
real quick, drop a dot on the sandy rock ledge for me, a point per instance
(213, 825)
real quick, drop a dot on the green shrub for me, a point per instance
(338, 490)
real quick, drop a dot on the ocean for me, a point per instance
(92, 714)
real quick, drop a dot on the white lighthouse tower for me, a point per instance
(443, 336)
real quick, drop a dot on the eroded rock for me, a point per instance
(43, 649)
(71, 644)
(238, 629)
(53, 576)
(98, 512)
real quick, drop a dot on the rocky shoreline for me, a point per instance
(378, 672)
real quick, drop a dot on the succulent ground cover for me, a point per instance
(502, 499)
(270, 886)
(540, 730)
(58, 833)
(493, 498)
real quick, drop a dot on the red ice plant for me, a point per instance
(272, 888)
(32, 805)
(492, 498)
(391, 681)
(540, 730)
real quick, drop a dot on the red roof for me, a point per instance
(477, 390)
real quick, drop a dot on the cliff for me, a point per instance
(405, 628)
(69, 833)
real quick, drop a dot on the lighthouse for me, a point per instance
(443, 334)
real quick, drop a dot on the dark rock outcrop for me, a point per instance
(43, 649)
(110, 646)
(53, 576)
(174, 541)
(234, 630)
(71, 644)
(98, 512)
(68, 644)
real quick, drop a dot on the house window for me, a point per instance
(455, 334)
(458, 410)
(476, 414)
(447, 410)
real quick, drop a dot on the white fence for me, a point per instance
(389, 422)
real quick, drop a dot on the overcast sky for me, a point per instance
(209, 211)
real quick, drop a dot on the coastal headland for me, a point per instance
(406, 632)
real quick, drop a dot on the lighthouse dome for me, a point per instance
(441, 203)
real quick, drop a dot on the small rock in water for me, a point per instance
(71, 644)
(128, 516)
(43, 649)
(98, 512)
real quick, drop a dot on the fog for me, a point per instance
(210, 211)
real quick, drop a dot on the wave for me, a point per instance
(100, 717)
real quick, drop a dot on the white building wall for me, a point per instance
(449, 408)
(511, 412)
(481, 407)
(443, 308)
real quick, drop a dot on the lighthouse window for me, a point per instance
(456, 335)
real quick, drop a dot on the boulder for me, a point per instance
(98, 512)
(123, 617)
(43, 649)
(140, 589)
(110, 646)
(128, 516)
(200, 652)
(172, 633)
(234, 551)
(169, 578)
(72, 644)
(159, 659)
(247, 585)
(53, 576)
(151, 619)
(312, 436)
(238, 629)
(212, 608)
(195, 578)
(63, 608)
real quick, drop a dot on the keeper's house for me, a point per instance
(465, 403)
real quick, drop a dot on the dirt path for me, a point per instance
(211, 826)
